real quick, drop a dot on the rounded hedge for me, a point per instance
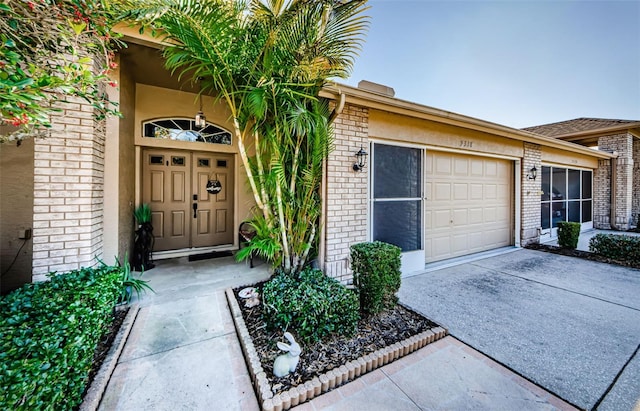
(310, 305)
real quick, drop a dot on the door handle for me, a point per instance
(195, 209)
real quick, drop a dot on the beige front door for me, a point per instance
(184, 213)
(469, 204)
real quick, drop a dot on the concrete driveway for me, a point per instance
(569, 325)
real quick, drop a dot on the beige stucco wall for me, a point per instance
(399, 128)
(120, 169)
(16, 212)
(554, 156)
(126, 153)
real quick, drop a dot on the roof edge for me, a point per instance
(363, 97)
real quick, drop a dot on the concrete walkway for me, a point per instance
(183, 354)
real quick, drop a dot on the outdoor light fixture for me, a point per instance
(201, 120)
(533, 173)
(361, 160)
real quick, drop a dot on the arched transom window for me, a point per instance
(184, 129)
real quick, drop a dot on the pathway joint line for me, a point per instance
(179, 346)
(615, 380)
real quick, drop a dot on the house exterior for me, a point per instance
(438, 184)
(621, 137)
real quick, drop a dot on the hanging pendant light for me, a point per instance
(201, 120)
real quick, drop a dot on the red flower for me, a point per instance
(113, 84)
(31, 5)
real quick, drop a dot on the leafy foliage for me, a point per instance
(376, 274)
(142, 213)
(268, 60)
(568, 234)
(52, 50)
(309, 305)
(131, 284)
(619, 247)
(48, 334)
(264, 242)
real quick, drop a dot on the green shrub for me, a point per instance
(616, 246)
(48, 334)
(568, 234)
(311, 305)
(376, 273)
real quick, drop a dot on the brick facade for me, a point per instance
(530, 217)
(346, 200)
(602, 195)
(635, 201)
(623, 145)
(68, 191)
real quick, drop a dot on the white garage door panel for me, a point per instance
(468, 206)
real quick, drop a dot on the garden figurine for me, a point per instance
(286, 363)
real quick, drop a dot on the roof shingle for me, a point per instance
(576, 126)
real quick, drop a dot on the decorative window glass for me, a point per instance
(184, 129)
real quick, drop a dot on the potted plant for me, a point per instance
(144, 241)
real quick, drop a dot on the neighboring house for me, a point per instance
(622, 138)
(438, 184)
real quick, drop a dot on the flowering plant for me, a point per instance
(51, 50)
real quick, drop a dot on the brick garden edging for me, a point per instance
(326, 381)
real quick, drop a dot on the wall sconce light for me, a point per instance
(361, 160)
(201, 120)
(533, 173)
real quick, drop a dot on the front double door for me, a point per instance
(184, 213)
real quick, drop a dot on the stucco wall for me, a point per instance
(16, 212)
(555, 156)
(412, 130)
(120, 168)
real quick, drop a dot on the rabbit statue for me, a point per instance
(286, 363)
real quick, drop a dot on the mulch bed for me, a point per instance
(374, 333)
(579, 254)
(104, 345)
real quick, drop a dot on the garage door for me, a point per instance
(468, 206)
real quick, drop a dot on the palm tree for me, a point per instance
(268, 60)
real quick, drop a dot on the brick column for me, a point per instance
(346, 218)
(530, 217)
(602, 195)
(623, 145)
(68, 191)
(635, 201)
